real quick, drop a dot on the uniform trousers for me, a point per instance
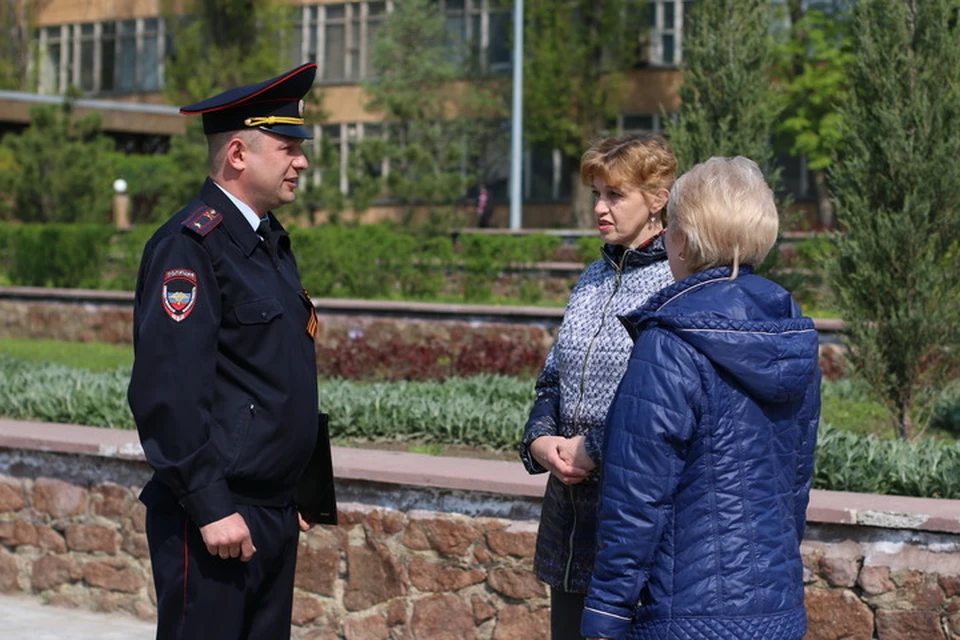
(566, 610)
(204, 597)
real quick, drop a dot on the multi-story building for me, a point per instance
(116, 50)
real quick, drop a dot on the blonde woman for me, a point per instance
(630, 177)
(709, 445)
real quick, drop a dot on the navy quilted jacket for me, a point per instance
(708, 459)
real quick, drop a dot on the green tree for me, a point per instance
(439, 128)
(728, 105)
(17, 18)
(897, 273)
(812, 73)
(576, 56)
(59, 169)
(219, 44)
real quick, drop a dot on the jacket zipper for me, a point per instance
(576, 415)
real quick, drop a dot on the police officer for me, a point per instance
(224, 384)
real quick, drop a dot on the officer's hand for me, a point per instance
(547, 451)
(229, 538)
(304, 525)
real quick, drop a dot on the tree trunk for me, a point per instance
(904, 423)
(583, 216)
(824, 203)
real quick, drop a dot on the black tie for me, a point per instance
(269, 238)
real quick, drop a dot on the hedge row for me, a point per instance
(486, 412)
(370, 261)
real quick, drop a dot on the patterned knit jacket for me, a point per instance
(574, 392)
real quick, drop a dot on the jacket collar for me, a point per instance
(636, 320)
(622, 258)
(235, 223)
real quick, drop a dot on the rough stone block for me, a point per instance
(916, 625)
(12, 497)
(430, 576)
(136, 545)
(915, 590)
(950, 585)
(51, 571)
(449, 535)
(17, 533)
(836, 615)
(367, 628)
(145, 611)
(396, 612)
(113, 574)
(111, 500)
(91, 538)
(482, 609)
(317, 569)
(380, 523)
(59, 499)
(875, 580)
(9, 573)
(51, 540)
(840, 564)
(518, 541)
(442, 617)
(138, 516)
(306, 608)
(516, 584)
(374, 577)
(112, 601)
(516, 622)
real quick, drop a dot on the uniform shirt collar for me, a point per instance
(247, 211)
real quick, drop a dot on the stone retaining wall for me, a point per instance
(434, 548)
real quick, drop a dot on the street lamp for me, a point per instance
(121, 205)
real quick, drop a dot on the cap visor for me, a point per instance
(289, 130)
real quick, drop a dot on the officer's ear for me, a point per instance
(235, 155)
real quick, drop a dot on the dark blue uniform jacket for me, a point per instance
(224, 385)
(708, 461)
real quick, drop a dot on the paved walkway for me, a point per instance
(25, 618)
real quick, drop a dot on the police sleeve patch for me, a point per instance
(179, 293)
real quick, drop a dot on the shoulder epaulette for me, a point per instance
(203, 220)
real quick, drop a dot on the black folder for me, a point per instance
(314, 494)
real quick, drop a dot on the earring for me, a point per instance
(681, 258)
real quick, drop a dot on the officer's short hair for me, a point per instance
(217, 144)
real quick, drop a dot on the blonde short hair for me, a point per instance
(727, 212)
(643, 161)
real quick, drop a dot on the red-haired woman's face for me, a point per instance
(623, 214)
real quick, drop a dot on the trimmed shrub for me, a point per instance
(57, 255)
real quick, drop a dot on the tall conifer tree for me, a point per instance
(897, 188)
(728, 104)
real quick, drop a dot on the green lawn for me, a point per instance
(92, 356)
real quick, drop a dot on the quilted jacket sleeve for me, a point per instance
(543, 416)
(808, 421)
(649, 425)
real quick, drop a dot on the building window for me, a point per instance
(339, 38)
(665, 38)
(342, 140)
(123, 56)
(479, 34)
